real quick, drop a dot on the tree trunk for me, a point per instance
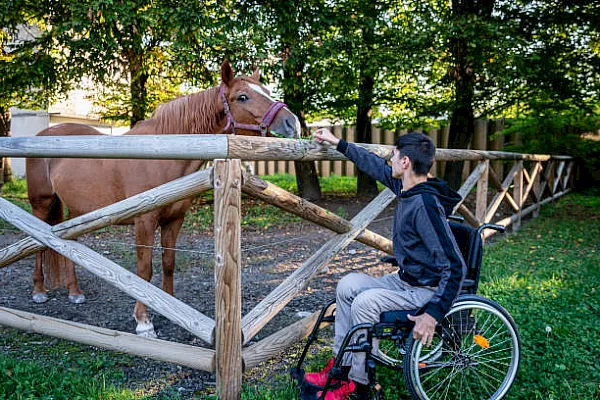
(365, 186)
(462, 123)
(5, 169)
(293, 95)
(138, 89)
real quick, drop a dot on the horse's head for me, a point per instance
(250, 110)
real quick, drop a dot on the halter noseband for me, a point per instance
(263, 127)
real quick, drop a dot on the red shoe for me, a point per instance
(340, 393)
(319, 378)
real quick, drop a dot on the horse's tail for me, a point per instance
(53, 264)
(46, 205)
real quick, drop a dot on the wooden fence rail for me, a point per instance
(488, 196)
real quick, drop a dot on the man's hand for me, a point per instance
(424, 328)
(324, 135)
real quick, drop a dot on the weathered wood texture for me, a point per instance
(482, 190)
(279, 341)
(303, 208)
(176, 353)
(209, 147)
(160, 196)
(509, 220)
(163, 303)
(293, 284)
(228, 279)
(524, 183)
(157, 147)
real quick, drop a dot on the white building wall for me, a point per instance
(26, 123)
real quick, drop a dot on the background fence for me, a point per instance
(484, 128)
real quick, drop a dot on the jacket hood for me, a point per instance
(439, 188)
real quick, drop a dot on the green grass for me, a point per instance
(39, 367)
(333, 185)
(548, 277)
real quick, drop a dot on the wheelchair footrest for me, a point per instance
(308, 391)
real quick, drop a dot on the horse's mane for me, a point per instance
(195, 113)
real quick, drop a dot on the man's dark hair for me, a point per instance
(419, 149)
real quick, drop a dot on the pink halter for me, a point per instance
(264, 125)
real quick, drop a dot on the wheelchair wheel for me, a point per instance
(394, 352)
(475, 354)
(391, 351)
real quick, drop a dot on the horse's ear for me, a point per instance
(227, 74)
(256, 75)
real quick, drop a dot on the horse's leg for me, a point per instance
(168, 238)
(76, 295)
(48, 208)
(144, 239)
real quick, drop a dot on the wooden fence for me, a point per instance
(532, 180)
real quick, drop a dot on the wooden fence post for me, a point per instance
(433, 134)
(228, 289)
(518, 193)
(496, 145)
(482, 191)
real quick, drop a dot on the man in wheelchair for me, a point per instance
(431, 267)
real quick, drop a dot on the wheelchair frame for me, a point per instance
(450, 334)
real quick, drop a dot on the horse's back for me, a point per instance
(69, 129)
(84, 185)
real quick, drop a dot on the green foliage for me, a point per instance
(15, 191)
(550, 131)
(33, 72)
(139, 51)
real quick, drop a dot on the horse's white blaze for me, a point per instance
(261, 91)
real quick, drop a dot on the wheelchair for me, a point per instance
(475, 351)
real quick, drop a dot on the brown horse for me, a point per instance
(240, 105)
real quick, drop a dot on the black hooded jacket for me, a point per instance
(424, 246)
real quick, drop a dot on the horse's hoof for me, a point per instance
(39, 298)
(77, 298)
(146, 330)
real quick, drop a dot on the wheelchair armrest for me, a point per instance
(499, 228)
(457, 218)
(390, 260)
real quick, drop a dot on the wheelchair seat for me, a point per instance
(397, 316)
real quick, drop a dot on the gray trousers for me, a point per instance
(361, 298)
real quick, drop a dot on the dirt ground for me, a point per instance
(269, 256)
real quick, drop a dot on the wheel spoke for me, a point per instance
(466, 366)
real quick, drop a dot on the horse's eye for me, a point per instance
(243, 98)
